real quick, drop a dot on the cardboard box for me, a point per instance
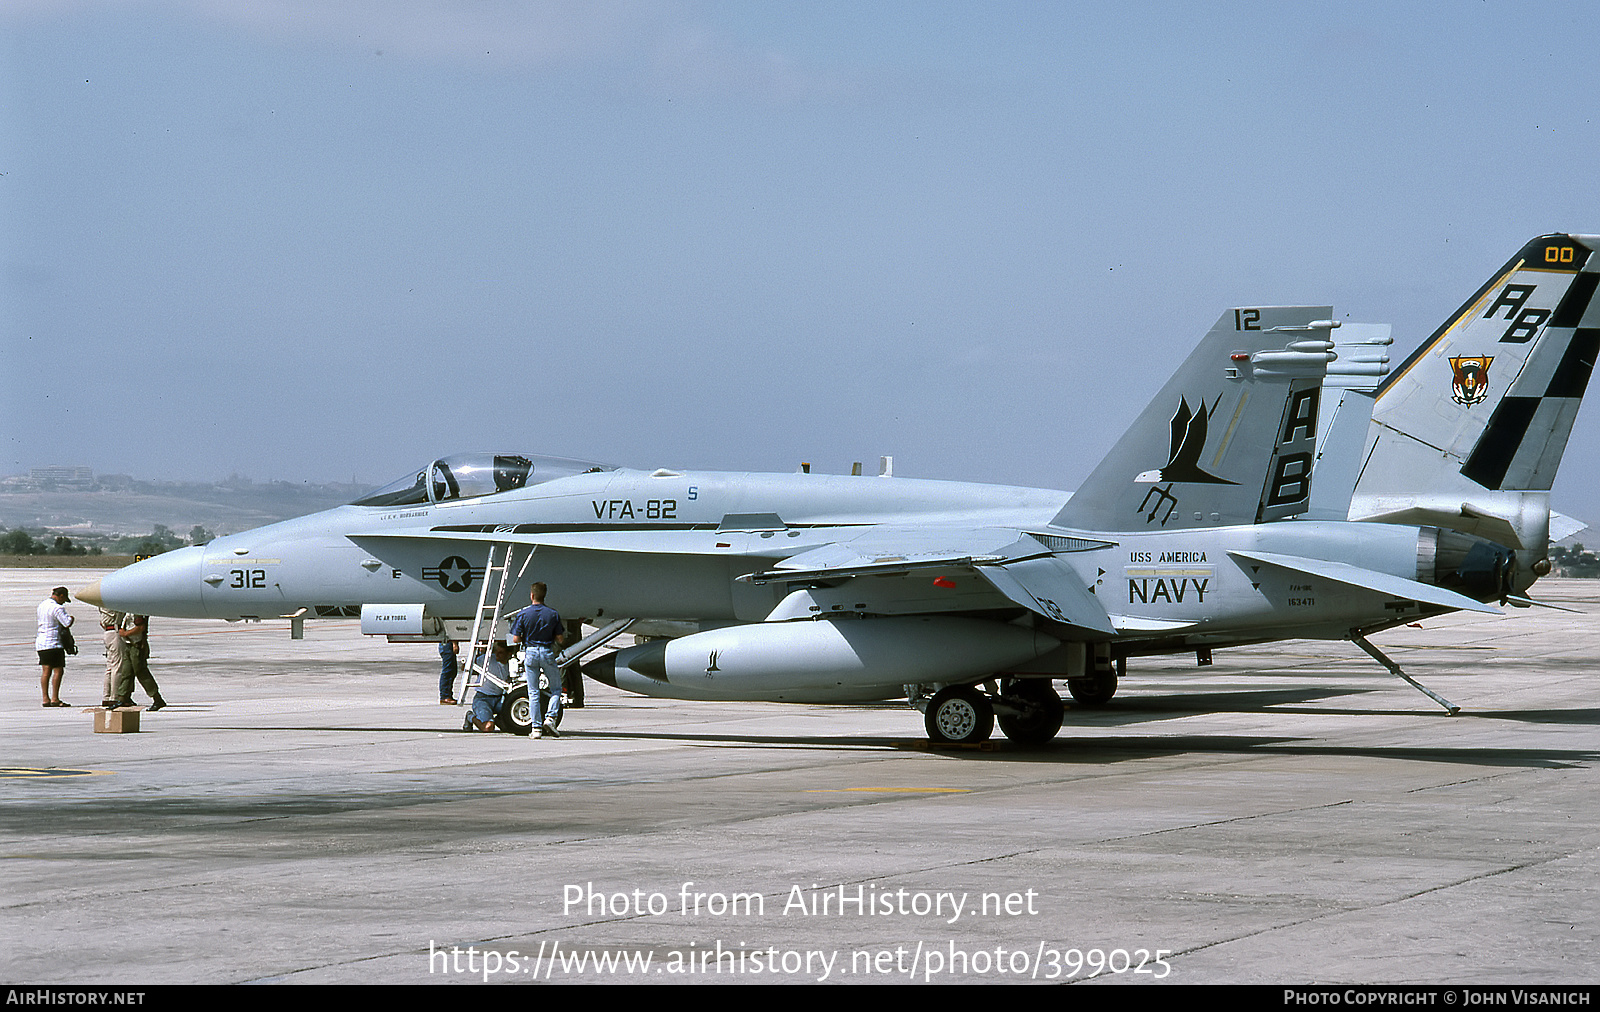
(124, 721)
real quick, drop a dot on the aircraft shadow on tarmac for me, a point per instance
(1090, 751)
(1135, 708)
(1080, 745)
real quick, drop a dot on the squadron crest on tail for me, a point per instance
(1470, 384)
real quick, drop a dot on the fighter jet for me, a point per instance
(1197, 531)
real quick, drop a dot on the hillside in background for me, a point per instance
(117, 506)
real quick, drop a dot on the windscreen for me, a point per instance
(471, 475)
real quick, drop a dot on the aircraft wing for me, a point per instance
(1020, 567)
(1367, 579)
(1017, 566)
(887, 551)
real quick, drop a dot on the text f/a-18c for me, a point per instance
(1198, 531)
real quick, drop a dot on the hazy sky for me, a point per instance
(316, 240)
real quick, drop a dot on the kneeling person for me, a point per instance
(491, 693)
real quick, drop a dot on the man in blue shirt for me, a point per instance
(538, 628)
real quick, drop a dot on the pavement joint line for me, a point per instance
(1366, 907)
(1223, 822)
(1493, 775)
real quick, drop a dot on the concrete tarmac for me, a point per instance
(305, 811)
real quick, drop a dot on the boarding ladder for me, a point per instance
(497, 582)
(491, 605)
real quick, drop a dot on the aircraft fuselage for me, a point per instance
(673, 546)
(715, 526)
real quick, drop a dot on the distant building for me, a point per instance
(57, 473)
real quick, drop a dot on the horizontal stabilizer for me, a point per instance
(1367, 579)
(1524, 601)
(1563, 526)
(1518, 520)
(1466, 519)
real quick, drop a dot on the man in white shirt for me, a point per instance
(51, 643)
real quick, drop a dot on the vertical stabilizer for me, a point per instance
(1230, 438)
(1468, 432)
(1362, 362)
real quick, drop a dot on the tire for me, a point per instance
(1045, 710)
(1093, 690)
(514, 715)
(959, 714)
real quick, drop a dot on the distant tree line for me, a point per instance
(23, 541)
(1574, 561)
(20, 542)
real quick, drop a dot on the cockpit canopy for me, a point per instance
(469, 475)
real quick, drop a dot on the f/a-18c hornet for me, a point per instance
(1197, 531)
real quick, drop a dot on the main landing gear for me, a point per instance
(516, 715)
(1036, 711)
(1029, 710)
(1097, 687)
(959, 714)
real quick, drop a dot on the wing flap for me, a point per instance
(1049, 587)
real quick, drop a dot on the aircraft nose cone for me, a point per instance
(167, 584)
(89, 594)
